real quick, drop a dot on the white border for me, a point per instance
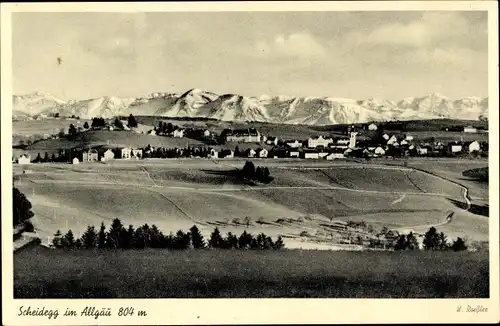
(252, 311)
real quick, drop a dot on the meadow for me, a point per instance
(44, 273)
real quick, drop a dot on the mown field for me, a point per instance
(249, 274)
(175, 194)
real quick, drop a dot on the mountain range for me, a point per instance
(266, 108)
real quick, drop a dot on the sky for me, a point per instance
(359, 55)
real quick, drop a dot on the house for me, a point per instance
(293, 144)
(393, 140)
(137, 153)
(409, 138)
(262, 152)
(386, 136)
(333, 156)
(322, 154)
(470, 129)
(126, 153)
(352, 140)
(213, 153)
(251, 152)
(404, 142)
(379, 151)
(294, 154)
(272, 141)
(24, 159)
(108, 155)
(314, 142)
(152, 132)
(76, 160)
(372, 127)
(206, 133)
(178, 133)
(110, 127)
(455, 147)
(250, 135)
(311, 155)
(91, 156)
(473, 146)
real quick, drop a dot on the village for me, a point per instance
(375, 142)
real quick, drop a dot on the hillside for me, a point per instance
(265, 108)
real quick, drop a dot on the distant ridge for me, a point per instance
(265, 108)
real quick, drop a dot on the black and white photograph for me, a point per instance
(251, 154)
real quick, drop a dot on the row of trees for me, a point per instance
(119, 237)
(433, 240)
(21, 208)
(261, 174)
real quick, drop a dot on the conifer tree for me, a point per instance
(101, 240)
(89, 238)
(197, 240)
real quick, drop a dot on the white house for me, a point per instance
(214, 153)
(470, 129)
(404, 142)
(137, 153)
(294, 144)
(379, 151)
(455, 148)
(206, 133)
(333, 156)
(262, 152)
(76, 160)
(474, 146)
(24, 159)
(108, 155)
(294, 153)
(178, 133)
(312, 155)
(386, 136)
(372, 127)
(152, 132)
(318, 141)
(422, 150)
(110, 127)
(409, 138)
(126, 153)
(251, 152)
(322, 154)
(90, 156)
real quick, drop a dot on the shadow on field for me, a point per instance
(480, 174)
(483, 210)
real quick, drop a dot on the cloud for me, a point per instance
(301, 45)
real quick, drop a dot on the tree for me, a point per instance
(196, 238)
(231, 241)
(115, 234)
(181, 240)
(46, 158)
(86, 125)
(89, 238)
(412, 242)
(247, 221)
(72, 130)
(216, 240)
(118, 124)
(168, 128)
(244, 240)
(21, 207)
(443, 242)
(237, 152)
(401, 243)
(53, 157)
(132, 123)
(279, 244)
(266, 173)
(56, 241)
(458, 245)
(101, 239)
(431, 239)
(248, 170)
(68, 241)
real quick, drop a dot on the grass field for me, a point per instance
(175, 194)
(249, 274)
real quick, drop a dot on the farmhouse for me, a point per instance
(311, 155)
(473, 146)
(262, 152)
(137, 153)
(152, 132)
(251, 152)
(455, 147)
(409, 138)
(91, 156)
(470, 129)
(293, 144)
(126, 153)
(108, 155)
(393, 141)
(24, 159)
(333, 156)
(294, 154)
(379, 151)
(250, 135)
(372, 127)
(206, 133)
(318, 141)
(386, 136)
(76, 160)
(178, 133)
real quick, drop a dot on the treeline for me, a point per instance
(162, 152)
(21, 209)
(260, 174)
(120, 237)
(432, 241)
